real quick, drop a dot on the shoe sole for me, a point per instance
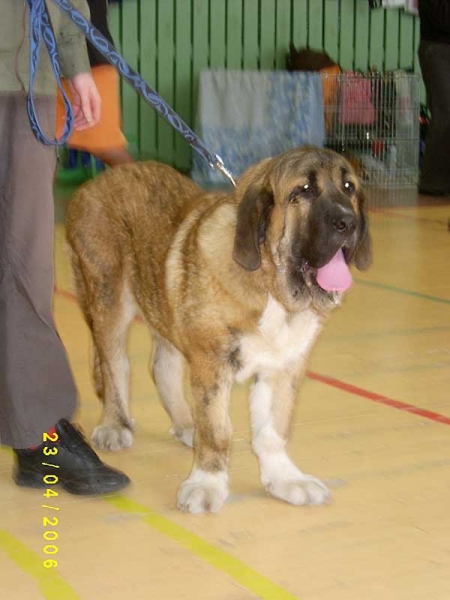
(29, 480)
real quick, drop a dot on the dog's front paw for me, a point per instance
(111, 437)
(302, 491)
(203, 492)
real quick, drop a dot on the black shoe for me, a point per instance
(78, 468)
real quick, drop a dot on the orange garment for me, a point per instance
(330, 96)
(107, 134)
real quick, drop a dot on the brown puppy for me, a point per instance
(229, 286)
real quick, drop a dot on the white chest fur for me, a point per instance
(281, 339)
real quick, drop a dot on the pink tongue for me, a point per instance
(335, 276)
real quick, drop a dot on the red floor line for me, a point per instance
(342, 385)
(357, 391)
(65, 294)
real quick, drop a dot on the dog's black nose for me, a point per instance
(344, 220)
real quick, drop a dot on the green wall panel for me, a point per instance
(234, 33)
(165, 75)
(391, 45)
(331, 25)
(347, 34)
(299, 23)
(376, 45)
(282, 32)
(171, 41)
(218, 39)
(268, 10)
(148, 140)
(250, 41)
(130, 49)
(362, 35)
(183, 78)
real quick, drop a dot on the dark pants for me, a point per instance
(36, 385)
(434, 61)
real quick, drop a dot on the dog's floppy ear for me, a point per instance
(252, 219)
(363, 251)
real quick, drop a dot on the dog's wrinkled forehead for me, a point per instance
(310, 165)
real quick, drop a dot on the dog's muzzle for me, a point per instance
(343, 220)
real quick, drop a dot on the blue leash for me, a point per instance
(40, 26)
(41, 29)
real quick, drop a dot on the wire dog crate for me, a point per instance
(373, 119)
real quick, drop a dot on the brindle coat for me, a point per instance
(227, 285)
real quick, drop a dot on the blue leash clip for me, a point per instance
(41, 28)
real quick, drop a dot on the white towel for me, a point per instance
(410, 6)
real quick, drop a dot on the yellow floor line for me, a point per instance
(239, 571)
(50, 582)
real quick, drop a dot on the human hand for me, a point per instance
(86, 101)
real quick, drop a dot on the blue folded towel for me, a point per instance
(245, 116)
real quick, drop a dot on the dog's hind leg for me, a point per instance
(271, 402)
(168, 371)
(109, 326)
(97, 375)
(84, 303)
(109, 332)
(102, 274)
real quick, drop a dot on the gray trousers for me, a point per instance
(36, 385)
(434, 61)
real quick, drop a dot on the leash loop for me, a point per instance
(41, 29)
(40, 26)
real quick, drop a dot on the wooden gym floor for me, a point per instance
(373, 421)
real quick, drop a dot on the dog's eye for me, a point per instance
(303, 191)
(349, 187)
(308, 191)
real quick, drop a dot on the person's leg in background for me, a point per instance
(105, 140)
(434, 61)
(114, 156)
(37, 391)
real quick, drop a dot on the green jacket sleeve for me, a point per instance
(71, 42)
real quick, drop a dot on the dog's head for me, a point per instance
(303, 210)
